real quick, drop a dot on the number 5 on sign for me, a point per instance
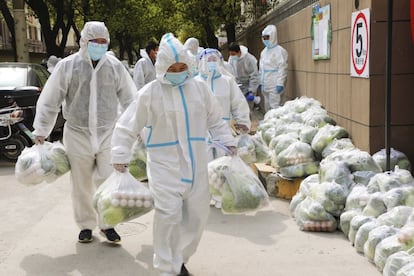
(360, 37)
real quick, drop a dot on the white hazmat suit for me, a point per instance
(89, 96)
(144, 70)
(178, 118)
(245, 70)
(232, 101)
(273, 68)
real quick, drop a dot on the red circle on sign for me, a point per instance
(359, 71)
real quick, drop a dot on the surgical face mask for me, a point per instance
(233, 58)
(211, 66)
(176, 78)
(266, 43)
(96, 50)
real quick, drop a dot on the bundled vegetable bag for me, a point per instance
(138, 163)
(121, 198)
(237, 184)
(397, 158)
(45, 162)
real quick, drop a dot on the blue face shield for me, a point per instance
(211, 66)
(266, 43)
(176, 78)
(96, 50)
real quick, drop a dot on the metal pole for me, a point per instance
(20, 31)
(388, 86)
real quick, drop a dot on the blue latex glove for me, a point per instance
(279, 89)
(249, 96)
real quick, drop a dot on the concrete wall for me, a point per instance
(357, 104)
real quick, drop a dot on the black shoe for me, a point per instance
(184, 271)
(85, 236)
(111, 235)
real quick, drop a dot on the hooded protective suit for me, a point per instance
(273, 67)
(192, 46)
(51, 63)
(225, 89)
(144, 70)
(178, 118)
(245, 69)
(88, 95)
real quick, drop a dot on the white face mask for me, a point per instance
(96, 50)
(233, 58)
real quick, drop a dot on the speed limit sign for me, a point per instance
(360, 44)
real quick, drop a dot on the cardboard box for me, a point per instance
(287, 188)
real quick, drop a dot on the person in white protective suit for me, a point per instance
(192, 45)
(245, 69)
(178, 111)
(144, 70)
(225, 89)
(89, 83)
(273, 67)
(51, 63)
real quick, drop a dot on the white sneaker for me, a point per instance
(256, 99)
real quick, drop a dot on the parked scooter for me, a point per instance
(14, 134)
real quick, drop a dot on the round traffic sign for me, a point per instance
(360, 40)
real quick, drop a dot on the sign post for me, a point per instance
(360, 40)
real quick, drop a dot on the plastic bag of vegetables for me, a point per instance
(399, 196)
(335, 171)
(216, 177)
(296, 153)
(396, 261)
(375, 236)
(138, 164)
(396, 217)
(45, 162)
(386, 248)
(337, 144)
(326, 135)
(246, 148)
(406, 234)
(311, 216)
(397, 158)
(356, 159)
(355, 224)
(121, 198)
(383, 182)
(358, 198)
(242, 191)
(345, 220)
(375, 206)
(262, 151)
(407, 270)
(362, 235)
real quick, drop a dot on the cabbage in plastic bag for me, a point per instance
(375, 236)
(386, 248)
(244, 193)
(345, 220)
(396, 261)
(397, 158)
(362, 235)
(138, 164)
(121, 198)
(326, 135)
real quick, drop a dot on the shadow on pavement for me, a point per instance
(96, 258)
(258, 229)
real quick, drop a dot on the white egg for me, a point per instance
(123, 202)
(139, 203)
(131, 202)
(116, 195)
(147, 204)
(147, 196)
(115, 202)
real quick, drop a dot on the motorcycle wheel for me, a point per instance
(20, 142)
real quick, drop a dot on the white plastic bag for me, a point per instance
(121, 198)
(45, 162)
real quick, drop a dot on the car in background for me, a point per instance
(21, 85)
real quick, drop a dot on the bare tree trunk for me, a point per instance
(10, 25)
(20, 31)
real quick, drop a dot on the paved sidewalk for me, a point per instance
(38, 237)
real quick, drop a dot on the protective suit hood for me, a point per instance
(192, 45)
(243, 51)
(170, 51)
(144, 54)
(271, 31)
(92, 30)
